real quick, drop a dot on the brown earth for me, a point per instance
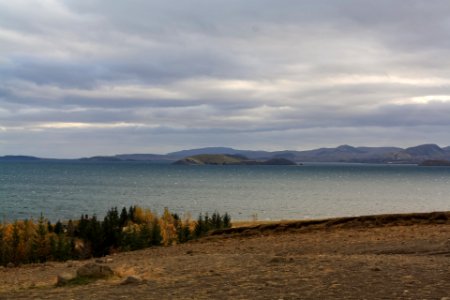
(381, 257)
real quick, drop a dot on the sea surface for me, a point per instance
(64, 190)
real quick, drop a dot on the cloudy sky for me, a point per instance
(91, 77)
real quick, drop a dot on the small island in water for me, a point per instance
(435, 163)
(227, 159)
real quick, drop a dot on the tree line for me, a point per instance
(133, 228)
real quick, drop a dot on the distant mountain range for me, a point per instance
(344, 153)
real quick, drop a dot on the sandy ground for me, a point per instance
(393, 262)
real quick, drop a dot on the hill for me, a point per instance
(19, 158)
(209, 159)
(221, 150)
(221, 159)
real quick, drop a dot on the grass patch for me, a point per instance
(81, 280)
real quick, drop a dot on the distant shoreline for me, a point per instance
(343, 153)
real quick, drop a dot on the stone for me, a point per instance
(64, 278)
(132, 279)
(281, 259)
(71, 264)
(94, 270)
(103, 260)
(10, 265)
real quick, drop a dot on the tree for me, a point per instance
(123, 219)
(58, 227)
(3, 245)
(145, 235)
(94, 236)
(70, 229)
(216, 221)
(168, 230)
(111, 230)
(42, 245)
(15, 242)
(226, 221)
(156, 233)
(200, 227)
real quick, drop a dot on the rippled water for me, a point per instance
(67, 189)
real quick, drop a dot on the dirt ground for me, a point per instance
(388, 262)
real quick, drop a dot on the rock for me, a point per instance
(93, 270)
(446, 245)
(281, 259)
(64, 278)
(189, 252)
(375, 269)
(71, 264)
(103, 260)
(10, 265)
(133, 279)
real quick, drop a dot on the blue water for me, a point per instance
(63, 190)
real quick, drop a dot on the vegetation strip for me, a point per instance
(349, 222)
(27, 241)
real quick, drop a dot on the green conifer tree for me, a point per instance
(58, 228)
(41, 240)
(156, 233)
(123, 219)
(226, 221)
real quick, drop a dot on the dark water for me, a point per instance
(63, 190)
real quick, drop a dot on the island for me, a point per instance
(435, 163)
(228, 159)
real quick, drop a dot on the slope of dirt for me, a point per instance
(359, 260)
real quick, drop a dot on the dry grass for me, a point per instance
(257, 227)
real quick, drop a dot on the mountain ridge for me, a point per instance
(343, 153)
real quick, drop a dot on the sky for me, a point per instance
(102, 77)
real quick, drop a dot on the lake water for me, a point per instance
(63, 190)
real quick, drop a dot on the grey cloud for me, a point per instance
(52, 72)
(253, 73)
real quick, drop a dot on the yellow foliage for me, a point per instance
(8, 231)
(168, 229)
(139, 215)
(149, 216)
